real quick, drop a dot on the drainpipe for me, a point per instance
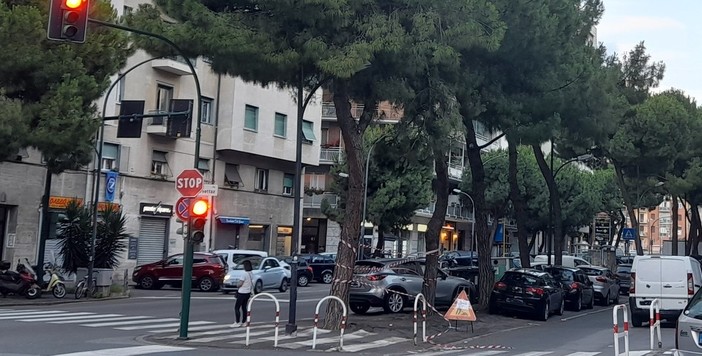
(214, 156)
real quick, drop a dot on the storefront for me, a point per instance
(229, 232)
(57, 208)
(152, 242)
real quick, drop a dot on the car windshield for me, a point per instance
(239, 262)
(694, 307)
(561, 275)
(624, 269)
(520, 279)
(593, 272)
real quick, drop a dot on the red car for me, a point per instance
(208, 272)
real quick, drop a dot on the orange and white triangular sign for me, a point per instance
(461, 309)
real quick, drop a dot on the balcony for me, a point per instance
(455, 212)
(455, 171)
(315, 200)
(329, 111)
(157, 126)
(174, 65)
(330, 155)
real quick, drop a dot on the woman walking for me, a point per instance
(242, 295)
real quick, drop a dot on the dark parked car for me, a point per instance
(527, 290)
(304, 270)
(208, 272)
(624, 276)
(578, 288)
(322, 267)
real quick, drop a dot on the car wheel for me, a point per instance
(147, 282)
(303, 281)
(394, 302)
(360, 308)
(636, 320)
(578, 306)
(561, 309)
(545, 312)
(206, 284)
(492, 308)
(258, 288)
(283, 285)
(327, 277)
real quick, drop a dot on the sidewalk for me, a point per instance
(48, 299)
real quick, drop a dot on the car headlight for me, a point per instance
(227, 277)
(137, 269)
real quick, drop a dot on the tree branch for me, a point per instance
(494, 139)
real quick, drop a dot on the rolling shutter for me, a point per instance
(152, 236)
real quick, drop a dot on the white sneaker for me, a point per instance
(235, 325)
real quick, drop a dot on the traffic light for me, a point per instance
(199, 209)
(68, 20)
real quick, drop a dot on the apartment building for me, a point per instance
(247, 148)
(656, 225)
(321, 234)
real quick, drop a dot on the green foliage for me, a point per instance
(75, 232)
(54, 84)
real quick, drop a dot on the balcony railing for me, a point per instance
(453, 211)
(330, 155)
(329, 110)
(315, 200)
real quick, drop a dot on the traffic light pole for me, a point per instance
(188, 249)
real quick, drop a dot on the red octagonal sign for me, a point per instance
(189, 182)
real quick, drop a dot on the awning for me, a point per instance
(231, 174)
(235, 220)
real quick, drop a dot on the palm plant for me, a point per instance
(111, 238)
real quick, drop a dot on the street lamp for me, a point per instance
(581, 158)
(472, 226)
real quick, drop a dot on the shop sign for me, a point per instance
(157, 209)
(56, 202)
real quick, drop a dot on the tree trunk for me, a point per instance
(478, 187)
(438, 217)
(674, 207)
(533, 240)
(352, 134)
(629, 207)
(556, 204)
(697, 223)
(380, 246)
(620, 230)
(516, 196)
(45, 219)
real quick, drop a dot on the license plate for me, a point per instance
(699, 338)
(645, 302)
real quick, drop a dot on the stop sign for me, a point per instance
(189, 182)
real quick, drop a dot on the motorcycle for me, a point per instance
(55, 283)
(21, 282)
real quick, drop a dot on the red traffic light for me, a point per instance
(199, 208)
(72, 4)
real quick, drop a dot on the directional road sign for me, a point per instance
(209, 190)
(189, 182)
(629, 234)
(183, 208)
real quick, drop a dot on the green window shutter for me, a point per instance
(308, 130)
(251, 118)
(280, 124)
(288, 180)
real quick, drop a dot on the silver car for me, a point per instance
(604, 282)
(393, 283)
(688, 336)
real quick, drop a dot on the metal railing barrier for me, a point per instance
(316, 321)
(419, 297)
(625, 333)
(654, 311)
(277, 316)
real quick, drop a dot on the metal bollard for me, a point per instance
(419, 297)
(654, 311)
(618, 334)
(277, 316)
(316, 321)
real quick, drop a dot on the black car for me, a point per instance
(624, 276)
(578, 288)
(322, 267)
(527, 290)
(304, 271)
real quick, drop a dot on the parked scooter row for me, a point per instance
(24, 281)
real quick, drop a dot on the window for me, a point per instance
(121, 88)
(653, 216)
(251, 118)
(315, 180)
(288, 184)
(127, 10)
(110, 157)
(164, 95)
(281, 122)
(642, 217)
(206, 108)
(308, 131)
(261, 180)
(203, 165)
(159, 163)
(231, 175)
(175, 260)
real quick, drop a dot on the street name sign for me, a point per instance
(209, 190)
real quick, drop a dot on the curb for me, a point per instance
(59, 301)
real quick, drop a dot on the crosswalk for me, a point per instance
(483, 352)
(203, 333)
(130, 351)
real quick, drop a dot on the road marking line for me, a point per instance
(12, 311)
(119, 323)
(106, 319)
(129, 351)
(486, 353)
(639, 353)
(585, 314)
(163, 325)
(232, 336)
(446, 352)
(227, 298)
(304, 333)
(375, 344)
(50, 317)
(535, 353)
(85, 317)
(584, 353)
(23, 315)
(197, 328)
(327, 340)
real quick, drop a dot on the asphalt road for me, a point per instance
(120, 327)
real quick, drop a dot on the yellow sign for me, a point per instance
(461, 309)
(102, 206)
(62, 202)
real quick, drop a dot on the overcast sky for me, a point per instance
(671, 30)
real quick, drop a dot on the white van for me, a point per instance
(230, 255)
(671, 279)
(568, 261)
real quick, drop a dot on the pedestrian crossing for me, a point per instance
(205, 333)
(130, 351)
(478, 351)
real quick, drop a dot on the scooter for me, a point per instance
(55, 283)
(22, 282)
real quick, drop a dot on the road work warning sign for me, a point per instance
(461, 309)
